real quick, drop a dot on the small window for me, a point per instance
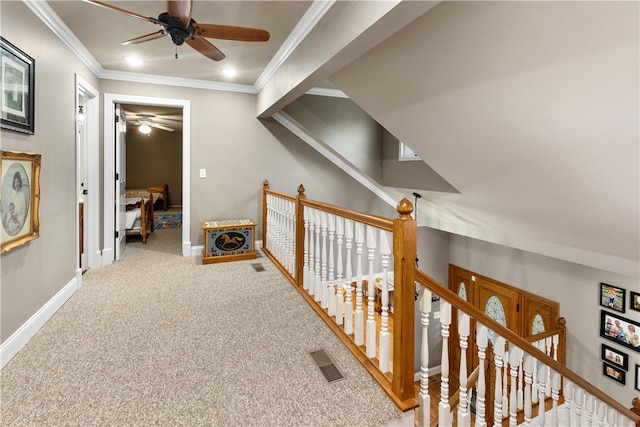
(495, 310)
(407, 153)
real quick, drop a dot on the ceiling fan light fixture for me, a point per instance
(144, 128)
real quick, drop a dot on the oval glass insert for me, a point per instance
(495, 310)
(537, 326)
(462, 291)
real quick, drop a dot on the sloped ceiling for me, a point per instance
(530, 110)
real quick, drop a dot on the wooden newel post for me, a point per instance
(299, 238)
(405, 233)
(265, 187)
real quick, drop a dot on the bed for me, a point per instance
(158, 192)
(139, 217)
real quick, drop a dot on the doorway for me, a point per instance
(87, 176)
(110, 101)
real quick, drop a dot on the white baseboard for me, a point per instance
(21, 337)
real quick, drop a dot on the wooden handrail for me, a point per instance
(453, 299)
(545, 334)
(369, 219)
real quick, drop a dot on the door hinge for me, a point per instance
(116, 235)
(117, 177)
(117, 119)
(517, 308)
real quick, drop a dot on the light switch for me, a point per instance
(203, 173)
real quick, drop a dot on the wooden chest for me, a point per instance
(228, 240)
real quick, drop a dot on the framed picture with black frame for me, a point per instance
(612, 297)
(634, 301)
(615, 357)
(620, 330)
(17, 81)
(614, 373)
(637, 377)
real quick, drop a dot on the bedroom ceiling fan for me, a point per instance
(145, 123)
(181, 27)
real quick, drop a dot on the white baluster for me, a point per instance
(578, 400)
(371, 293)
(444, 409)
(348, 303)
(542, 376)
(331, 303)
(555, 394)
(548, 344)
(385, 336)
(611, 417)
(312, 258)
(589, 408)
(567, 393)
(599, 412)
(482, 341)
(520, 386)
(515, 355)
(505, 383)
(424, 400)
(339, 241)
(498, 350)
(358, 338)
(528, 381)
(464, 417)
(305, 257)
(317, 282)
(324, 221)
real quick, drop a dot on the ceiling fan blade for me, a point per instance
(126, 12)
(229, 32)
(205, 48)
(163, 127)
(145, 38)
(180, 9)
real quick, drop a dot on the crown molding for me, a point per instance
(47, 15)
(321, 91)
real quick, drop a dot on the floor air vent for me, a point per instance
(258, 266)
(327, 367)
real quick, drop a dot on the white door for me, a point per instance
(120, 181)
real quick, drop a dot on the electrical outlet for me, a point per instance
(436, 314)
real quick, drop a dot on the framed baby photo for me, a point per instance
(620, 330)
(614, 373)
(612, 297)
(634, 301)
(17, 80)
(615, 357)
(19, 198)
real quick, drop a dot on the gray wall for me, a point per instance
(344, 127)
(155, 159)
(33, 273)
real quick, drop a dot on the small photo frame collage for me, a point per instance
(620, 330)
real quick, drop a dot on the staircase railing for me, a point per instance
(368, 301)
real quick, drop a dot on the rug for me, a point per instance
(167, 220)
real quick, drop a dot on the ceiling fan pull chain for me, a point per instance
(176, 52)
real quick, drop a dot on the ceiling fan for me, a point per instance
(145, 123)
(180, 26)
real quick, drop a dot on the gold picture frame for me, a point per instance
(19, 198)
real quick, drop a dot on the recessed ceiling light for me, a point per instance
(229, 72)
(134, 61)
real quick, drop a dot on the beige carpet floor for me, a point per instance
(159, 339)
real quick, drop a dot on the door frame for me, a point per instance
(90, 137)
(110, 100)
